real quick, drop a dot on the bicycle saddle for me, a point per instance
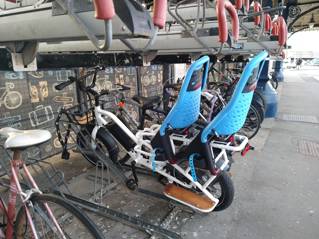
(19, 139)
(146, 102)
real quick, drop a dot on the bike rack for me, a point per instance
(261, 14)
(107, 179)
(190, 29)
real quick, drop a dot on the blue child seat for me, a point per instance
(232, 118)
(186, 110)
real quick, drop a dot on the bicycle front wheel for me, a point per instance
(65, 221)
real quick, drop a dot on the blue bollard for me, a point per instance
(278, 71)
(270, 95)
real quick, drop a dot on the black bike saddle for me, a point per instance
(146, 102)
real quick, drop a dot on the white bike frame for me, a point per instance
(143, 157)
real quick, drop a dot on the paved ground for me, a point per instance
(277, 185)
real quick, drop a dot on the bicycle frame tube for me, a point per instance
(34, 185)
(15, 189)
(100, 114)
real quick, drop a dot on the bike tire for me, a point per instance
(227, 191)
(260, 109)
(103, 138)
(274, 83)
(250, 129)
(223, 180)
(69, 220)
(260, 98)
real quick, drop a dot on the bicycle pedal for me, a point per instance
(189, 198)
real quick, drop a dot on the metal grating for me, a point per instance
(309, 148)
(299, 118)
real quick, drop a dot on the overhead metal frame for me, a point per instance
(65, 35)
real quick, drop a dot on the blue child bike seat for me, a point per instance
(232, 117)
(186, 110)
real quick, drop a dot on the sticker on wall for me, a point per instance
(130, 71)
(41, 115)
(36, 74)
(34, 93)
(12, 75)
(34, 153)
(146, 80)
(10, 121)
(39, 92)
(64, 99)
(48, 148)
(103, 83)
(44, 91)
(109, 70)
(10, 98)
(63, 75)
(120, 79)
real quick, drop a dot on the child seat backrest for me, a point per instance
(232, 117)
(186, 110)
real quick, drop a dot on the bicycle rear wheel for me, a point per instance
(73, 222)
(252, 123)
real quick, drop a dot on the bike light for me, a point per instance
(121, 104)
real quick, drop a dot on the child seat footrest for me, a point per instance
(198, 202)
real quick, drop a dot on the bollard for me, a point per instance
(278, 71)
(270, 95)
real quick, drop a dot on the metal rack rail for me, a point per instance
(189, 29)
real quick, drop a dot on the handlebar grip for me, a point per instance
(104, 92)
(123, 87)
(62, 85)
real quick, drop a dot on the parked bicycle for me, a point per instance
(222, 92)
(194, 164)
(149, 107)
(40, 215)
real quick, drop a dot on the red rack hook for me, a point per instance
(257, 8)
(104, 9)
(238, 4)
(283, 55)
(221, 5)
(283, 32)
(247, 5)
(267, 22)
(274, 28)
(159, 13)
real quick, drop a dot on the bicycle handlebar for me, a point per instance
(62, 85)
(121, 88)
(72, 79)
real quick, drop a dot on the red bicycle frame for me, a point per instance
(15, 189)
